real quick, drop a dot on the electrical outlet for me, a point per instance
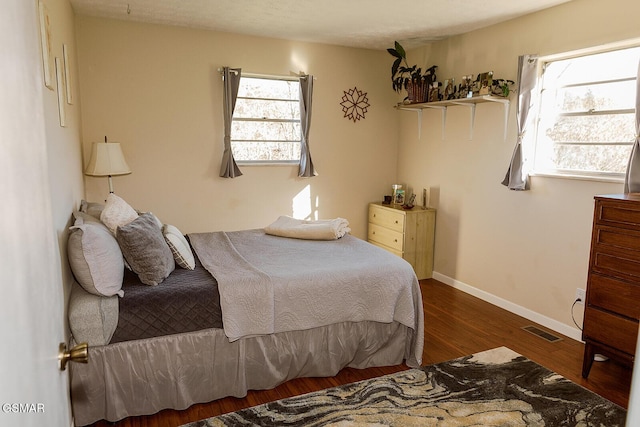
(580, 295)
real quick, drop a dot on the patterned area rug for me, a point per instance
(494, 388)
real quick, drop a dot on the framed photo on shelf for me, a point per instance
(449, 89)
(485, 81)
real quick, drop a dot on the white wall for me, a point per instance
(39, 183)
(64, 157)
(156, 90)
(526, 250)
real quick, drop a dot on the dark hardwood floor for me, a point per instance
(456, 324)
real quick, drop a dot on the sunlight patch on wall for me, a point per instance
(299, 64)
(303, 207)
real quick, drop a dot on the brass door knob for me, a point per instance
(79, 354)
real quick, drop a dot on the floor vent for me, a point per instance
(542, 334)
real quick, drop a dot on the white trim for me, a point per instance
(600, 178)
(531, 315)
(622, 44)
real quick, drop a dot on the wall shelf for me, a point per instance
(467, 102)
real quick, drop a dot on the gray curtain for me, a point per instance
(231, 78)
(632, 177)
(516, 177)
(306, 94)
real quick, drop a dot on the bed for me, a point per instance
(255, 310)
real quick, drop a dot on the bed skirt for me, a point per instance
(143, 377)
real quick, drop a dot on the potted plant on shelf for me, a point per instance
(412, 79)
(502, 87)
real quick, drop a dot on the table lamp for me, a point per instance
(107, 160)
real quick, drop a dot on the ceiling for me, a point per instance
(371, 24)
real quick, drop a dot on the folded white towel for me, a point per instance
(328, 229)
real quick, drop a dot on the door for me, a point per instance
(33, 391)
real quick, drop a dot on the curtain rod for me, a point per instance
(269, 76)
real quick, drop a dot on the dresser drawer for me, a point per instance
(617, 264)
(617, 238)
(386, 237)
(609, 329)
(614, 295)
(617, 214)
(388, 218)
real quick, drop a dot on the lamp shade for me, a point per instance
(107, 160)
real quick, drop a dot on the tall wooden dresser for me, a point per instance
(612, 306)
(408, 233)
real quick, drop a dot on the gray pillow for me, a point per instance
(92, 208)
(145, 249)
(94, 256)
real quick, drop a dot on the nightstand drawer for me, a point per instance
(386, 237)
(386, 248)
(610, 329)
(387, 218)
(614, 295)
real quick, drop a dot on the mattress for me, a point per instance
(187, 301)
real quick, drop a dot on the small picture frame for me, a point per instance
(45, 41)
(399, 198)
(61, 91)
(67, 74)
(485, 80)
(449, 89)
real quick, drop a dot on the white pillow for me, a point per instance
(95, 258)
(117, 213)
(179, 247)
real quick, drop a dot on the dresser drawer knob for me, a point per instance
(396, 221)
(395, 240)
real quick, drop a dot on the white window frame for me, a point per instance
(293, 162)
(586, 175)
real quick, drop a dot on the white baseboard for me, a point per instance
(538, 318)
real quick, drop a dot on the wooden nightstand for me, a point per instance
(406, 233)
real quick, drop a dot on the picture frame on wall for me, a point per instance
(61, 91)
(67, 74)
(45, 41)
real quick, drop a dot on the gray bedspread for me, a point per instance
(186, 301)
(271, 284)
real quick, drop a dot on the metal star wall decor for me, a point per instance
(354, 104)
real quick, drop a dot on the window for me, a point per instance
(586, 120)
(266, 121)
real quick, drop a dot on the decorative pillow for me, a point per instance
(117, 212)
(179, 247)
(145, 249)
(154, 216)
(84, 218)
(91, 208)
(95, 257)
